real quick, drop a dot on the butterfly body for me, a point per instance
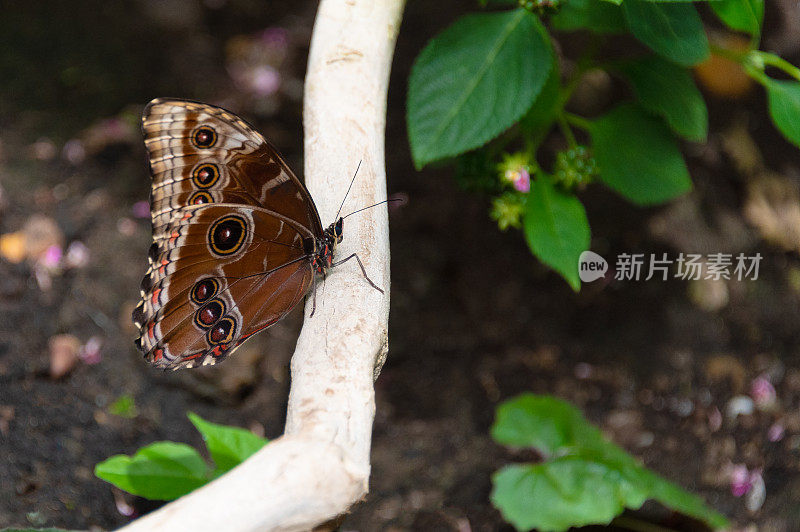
(237, 239)
(323, 255)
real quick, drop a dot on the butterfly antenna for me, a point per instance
(348, 192)
(374, 205)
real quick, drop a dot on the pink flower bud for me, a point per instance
(762, 392)
(523, 183)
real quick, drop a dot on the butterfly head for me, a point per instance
(334, 233)
(336, 230)
(326, 246)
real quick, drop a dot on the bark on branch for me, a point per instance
(320, 466)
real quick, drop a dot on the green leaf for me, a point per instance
(556, 228)
(784, 107)
(669, 90)
(638, 157)
(740, 15)
(228, 446)
(161, 471)
(563, 493)
(473, 81)
(599, 17)
(672, 30)
(542, 422)
(585, 478)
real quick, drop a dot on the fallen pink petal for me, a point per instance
(74, 151)
(90, 352)
(776, 432)
(740, 480)
(141, 209)
(77, 255)
(264, 81)
(714, 419)
(126, 226)
(763, 392)
(276, 37)
(52, 257)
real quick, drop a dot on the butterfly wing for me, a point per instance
(200, 154)
(223, 273)
(213, 172)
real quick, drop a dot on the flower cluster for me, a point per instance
(574, 167)
(515, 170)
(507, 211)
(540, 7)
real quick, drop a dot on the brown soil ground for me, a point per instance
(474, 318)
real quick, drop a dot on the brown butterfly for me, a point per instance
(237, 239)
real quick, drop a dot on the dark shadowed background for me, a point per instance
(671, 370)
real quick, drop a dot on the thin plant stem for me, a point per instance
(757, 74)
(582, 65)
(752, 61)
(778, 62)
(727, 53)
(578, 121)
(566, 130)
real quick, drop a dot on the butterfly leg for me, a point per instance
(313, 298)
(363, 270)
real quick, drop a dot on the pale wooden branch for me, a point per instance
(320, 466)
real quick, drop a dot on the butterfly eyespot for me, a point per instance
(227, 235)
(204, 290)
(222, 332)
(205, 175)
(204, 137)
(201, 197)
(207, 315)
